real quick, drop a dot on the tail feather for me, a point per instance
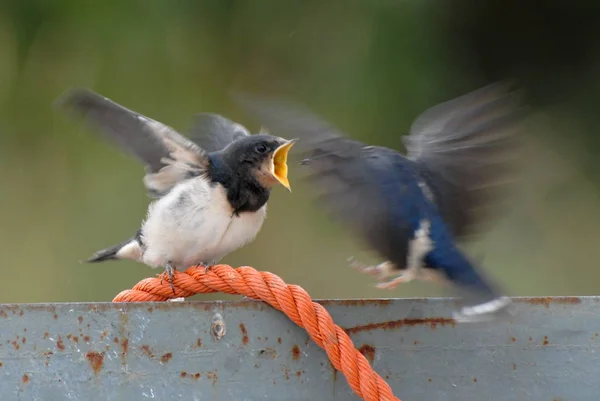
(481, 299)
(130, 249)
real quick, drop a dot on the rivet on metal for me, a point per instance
(217, 328)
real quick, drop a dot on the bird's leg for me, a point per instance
(388, 275)
(394, 276)
(207, 266)
(169, 269)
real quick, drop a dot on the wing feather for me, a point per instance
(168, 156)
(214, 132)
(467, 148)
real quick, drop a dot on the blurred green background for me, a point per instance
(369, 67)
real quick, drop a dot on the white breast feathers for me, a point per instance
(194, 224)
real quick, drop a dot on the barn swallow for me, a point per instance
(414, 209)
(210, 191)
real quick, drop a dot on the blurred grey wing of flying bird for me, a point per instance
(414, 209)
(210, 190)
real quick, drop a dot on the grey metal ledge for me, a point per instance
(247, 351)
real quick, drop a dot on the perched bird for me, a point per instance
(414, 209)
(210, 191)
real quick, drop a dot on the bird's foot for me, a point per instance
(388, 275)
(392, 283)
(209, 265)
(169, 270)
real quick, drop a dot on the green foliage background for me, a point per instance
(369, 67)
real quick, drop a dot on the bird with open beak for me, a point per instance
(210, 191)
(414, 209)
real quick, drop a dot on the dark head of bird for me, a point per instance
(261, 158)
(249, 167)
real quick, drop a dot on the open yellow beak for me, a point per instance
(280, 168)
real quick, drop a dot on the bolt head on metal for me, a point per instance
(218, 328)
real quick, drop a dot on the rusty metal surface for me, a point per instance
(248, 351)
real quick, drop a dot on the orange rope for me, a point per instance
(287, 298)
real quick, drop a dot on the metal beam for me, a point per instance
(247, 351)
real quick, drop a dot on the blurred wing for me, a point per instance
(345, 174)
(213, 132)
(465, 148)
(169, 157)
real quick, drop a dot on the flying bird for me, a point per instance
(415, 209)
(209, 192)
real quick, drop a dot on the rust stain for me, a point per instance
(183, 374)
(25, 379)
(213, 377)
(55, 316)
(433, 322)
(46, 335)
(124, 348)
(429, 380)
(16, 345)
(295, 352)
(166, 357)
(116, 340)
(474, 380)
(1, 364)
(23, 340)
(279, 340)
(96, 360)
(416, 342)
(368, 351)
(21, 313)
(103, 335)
(512, 339)
(86, 339)
(80, 319)
(199, 342)
(545, 342)
(244, 334)
(3, 313)
(286, 373)
(299, 373)
(150, 309)
(514, 366)
(530, 339)
(147, 350)
(60, 344)
(196, 375)
(546, 301)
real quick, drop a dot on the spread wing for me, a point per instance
(466, 148)
(348, 177)
(169, 157)
(213, 132)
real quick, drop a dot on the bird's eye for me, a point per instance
(261, 148)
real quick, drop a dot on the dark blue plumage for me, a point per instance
(414, 209)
